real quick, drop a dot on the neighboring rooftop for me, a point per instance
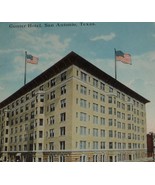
(72, 59)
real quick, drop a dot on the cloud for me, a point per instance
(108, 37)
(11, 50)
(46, 41)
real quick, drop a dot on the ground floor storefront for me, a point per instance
(75, 156)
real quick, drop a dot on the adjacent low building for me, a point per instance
(151, 145)
(73, 112)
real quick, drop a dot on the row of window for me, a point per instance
(28, 117)
(109, 145)
(98, 84)
(33, 147)
(80, 145)
(111, 133)
(28, 96)
(83, 77)
(96, 119)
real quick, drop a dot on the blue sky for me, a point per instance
(95, 43)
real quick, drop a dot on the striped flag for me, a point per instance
(123, 57)
(31, 59)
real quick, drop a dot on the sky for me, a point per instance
(95, 41)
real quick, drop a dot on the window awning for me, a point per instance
(18, 154)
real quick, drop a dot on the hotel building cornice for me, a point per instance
(73, 59)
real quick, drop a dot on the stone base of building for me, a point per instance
(75, 156)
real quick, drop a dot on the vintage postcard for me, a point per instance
(77, 91)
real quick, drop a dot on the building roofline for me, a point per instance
(72, 59)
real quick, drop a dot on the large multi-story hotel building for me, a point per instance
(73, 112)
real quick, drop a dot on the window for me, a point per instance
(110, 133)
(32, 104)
(52, 107)
(21, 109)
(51, 132)
(102, 86)
(83, 158)
(82, 130)
(82, 144)
(118, 124)
(95, 119)
(129, 135)
(63, 76)
(40, 134)
(95, 144)
(22, 100)
(52, 120)
(63, 103)
(95, 132)
(95, 82)
(27, 97)
(102, 98)
(16, 129)
(52, 95)
(95, 158)
(32, 114)
(129, 126)
(83, 90)
(62, 158)
(51, 146)
(62, 131)
(31, 136)
(41, 110)
(102, 109)
(118, 94)
(53, 82)
(102, 133)
(40, 146)
(110, 99)
(83, 116)
(83, 76)
(110, 89)
(110, 145)
(41, 97)
(123, 135)
(118, 114)
(63, 117)
(110, 122)
(41, 122)
(83, 103)
(63, 90)
(26, 117)
(62, 145)
(27, 107)
(123, 97)
(129, 116)
(6, 140)
(95, 95)
(110, 110)
(102, 146)
(25, 147)
(119, 135)
(129, 145)
(102, 121)
(95, 107)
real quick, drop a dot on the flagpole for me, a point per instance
(115, 65)
(25, 68)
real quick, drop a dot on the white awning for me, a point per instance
(18, 154)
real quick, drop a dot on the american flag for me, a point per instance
(32, 59)
(123, 57)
